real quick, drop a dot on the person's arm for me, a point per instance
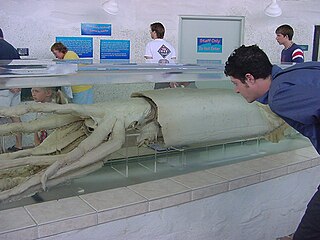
(298, 103)
(36, 139)
(15, 90)
(179, 84)
(148, 53)
(297, 56)
(173, 54)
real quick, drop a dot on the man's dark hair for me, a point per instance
(285, 30)
(158, 28)
(248, 59)
(59, 47)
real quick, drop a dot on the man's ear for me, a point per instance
(250, 79)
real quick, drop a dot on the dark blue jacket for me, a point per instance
(294, 95)
(7, 51)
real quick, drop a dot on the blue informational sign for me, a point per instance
(95, 29)
(115, 50)
(209, 45)
(304, 47)
(83, 46)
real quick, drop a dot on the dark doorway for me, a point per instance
(316, 36)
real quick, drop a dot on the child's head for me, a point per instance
(286, 31)
(48, 94)
(42, 94)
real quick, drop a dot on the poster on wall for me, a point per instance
(83, 46)
(95, 29)
(115, 51)
(209, 45)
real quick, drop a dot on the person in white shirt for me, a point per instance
(159, 51)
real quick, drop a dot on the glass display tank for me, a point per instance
(132, 133)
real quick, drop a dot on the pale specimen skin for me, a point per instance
(84, 135)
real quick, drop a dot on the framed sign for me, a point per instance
(95, 29)
(209, 45)
(115, 50)
(83, 46)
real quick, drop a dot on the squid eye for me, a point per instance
(90, 129)
(90, 124)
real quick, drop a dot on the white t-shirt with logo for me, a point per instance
(160, 51)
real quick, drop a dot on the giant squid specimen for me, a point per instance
(84, 135)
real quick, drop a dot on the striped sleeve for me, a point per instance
(297, 55)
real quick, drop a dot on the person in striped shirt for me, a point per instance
(291, 52)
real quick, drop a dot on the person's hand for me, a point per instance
(184, 84)
(178, 84)
(15, 90)
(174, 84)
